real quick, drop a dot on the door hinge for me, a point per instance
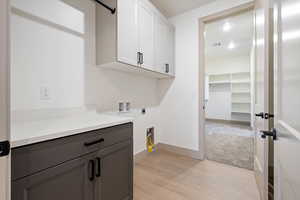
(4, 148)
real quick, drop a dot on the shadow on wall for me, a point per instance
(53, 58)
(163, 88)
(47, 65)
(106, 88)
(54, 71)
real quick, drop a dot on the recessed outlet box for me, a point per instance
(144, 111)
(45, 93)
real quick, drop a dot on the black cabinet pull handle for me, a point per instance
(87, 144)
(98, 173)
(138, 58)
(142, 58)
(167, 68)
(91, 170)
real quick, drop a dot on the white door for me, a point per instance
(262, 94)
(146, 34)
(4, 100)
(287, 99)
(128, 31)
(161, 50)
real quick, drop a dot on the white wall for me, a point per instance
(142, 123)
(45, 57)
(108, 88)
(177, 116)
(56, 50)
(231, 64)
(180, 106)
(219, 104)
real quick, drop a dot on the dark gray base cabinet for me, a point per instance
(104, 170)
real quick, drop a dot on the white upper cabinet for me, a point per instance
(164, 46)
(161, 44)
(127, 15)
(146, 34)
(135, 39)
(171, 50)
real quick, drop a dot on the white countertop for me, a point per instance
(30, 132)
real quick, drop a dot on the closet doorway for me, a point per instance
(229, 137)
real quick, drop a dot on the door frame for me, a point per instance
(4, 96)
(202, 21)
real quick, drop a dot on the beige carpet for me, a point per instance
(230, 145)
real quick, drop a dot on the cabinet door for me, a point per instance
(146, 34)
(127, 31)
(66, 181)
(116, 176)
(161, 45)
(171, 50)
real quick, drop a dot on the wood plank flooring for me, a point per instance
(167, 176)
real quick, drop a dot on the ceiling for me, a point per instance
(175, 7)
(238, 36)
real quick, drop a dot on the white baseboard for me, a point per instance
(257, 165)
(258, 172)
(181, 151)
(174, 149)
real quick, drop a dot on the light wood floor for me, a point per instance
(167, 176)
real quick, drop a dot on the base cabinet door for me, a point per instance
(70, 180)
(116, 181)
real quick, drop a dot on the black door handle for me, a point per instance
(91, 169)
(272, 133)
(98, 173)
(87, 144)
(261, 115)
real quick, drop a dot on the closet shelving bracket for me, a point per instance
(112, 10)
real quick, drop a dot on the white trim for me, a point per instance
(170, 148)
(259, 168)
(4, 97)
(180, 151)
(201, 106)
(257, 165)
(201, 23)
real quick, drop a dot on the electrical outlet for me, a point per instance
(45, 93)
